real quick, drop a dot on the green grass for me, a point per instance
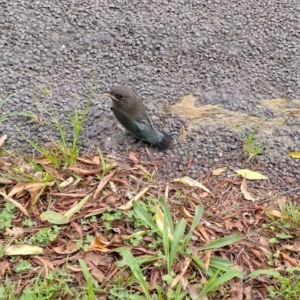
(253, 144)
(172, 242)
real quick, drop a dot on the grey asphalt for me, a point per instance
(232, 53)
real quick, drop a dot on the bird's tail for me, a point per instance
(165, 143)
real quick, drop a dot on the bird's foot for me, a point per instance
(120, 127)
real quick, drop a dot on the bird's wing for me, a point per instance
(141, 128)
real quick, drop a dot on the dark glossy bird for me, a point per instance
(130, 111)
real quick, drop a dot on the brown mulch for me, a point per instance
(226, 212)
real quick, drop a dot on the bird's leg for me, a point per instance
(121, 127)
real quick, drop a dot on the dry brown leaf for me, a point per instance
(99, 275)
(31, 187)
(4, 265)
(292, 261)
(94, 162)
(206, 258)
(99, 245)
(68, 248)
(142, 168)
(133, 156)
(264, 245)
(80, 171)
(295, 247)
(155, 275)
(5, 181)
(245, 192)
(14, 232)
(236, 291)
(2, 139)
(53, 172)
(22, 209)
(103, 183)
(219, 171)
(184, 268)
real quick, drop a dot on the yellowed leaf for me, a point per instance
(22, 249)
(128, 205)
(191, 182)
(245, 192)
(274, 213)
(251, 175)
(219, 171)
(159, 218)
(293, 154)
(66, 182)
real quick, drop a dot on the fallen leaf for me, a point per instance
(5, 181)
(159, 218)
(53, 172)
(248, 174)
(245, 192)
(54, 217)
(14, 232)
(103, 183)
(206, 258)
(128, 205)
(4, 264)
(274, 213)
(22, 249)
(219, 171)
(133, 156)
(68, 248)
(295, 247)
(191, 182)
(99, 245)
(143, 169)
(42, 160)
(71, 212)
(2, 140)
(66, 182)
(80, 171)
(293, 154)
(15, 203)
(291, 260)
(185, 266)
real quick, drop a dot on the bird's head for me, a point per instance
(120, 93)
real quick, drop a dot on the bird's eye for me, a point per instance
(120, 97)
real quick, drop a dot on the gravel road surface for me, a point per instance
(228, 53)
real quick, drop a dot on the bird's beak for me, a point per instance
(108, 94)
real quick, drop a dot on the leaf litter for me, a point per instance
(77, 194)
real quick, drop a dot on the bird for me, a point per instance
(130, 111)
